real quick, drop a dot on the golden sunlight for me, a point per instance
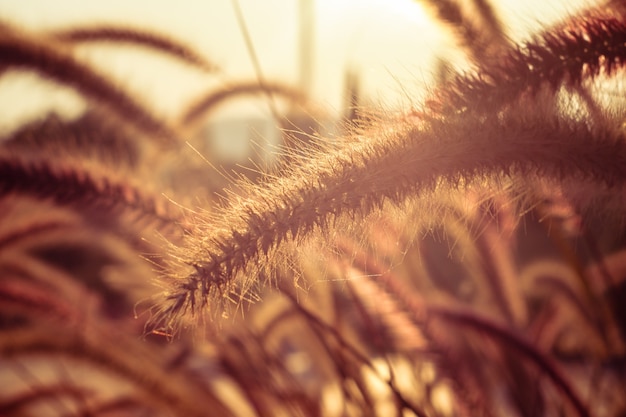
(391, 47)
(314, 208)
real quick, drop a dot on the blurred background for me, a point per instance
(381, 53)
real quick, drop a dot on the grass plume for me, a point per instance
(118, 34)
(359, 176)
(431, 262)
(82, 187)
(21, 50)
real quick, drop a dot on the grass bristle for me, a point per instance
(464, 256)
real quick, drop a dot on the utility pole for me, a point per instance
(307, 45)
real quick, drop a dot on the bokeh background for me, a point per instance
(391, 46)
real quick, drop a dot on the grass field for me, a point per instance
(461, 256)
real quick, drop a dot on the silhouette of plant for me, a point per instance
(464, 257)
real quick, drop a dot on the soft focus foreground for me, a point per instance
(463, 256)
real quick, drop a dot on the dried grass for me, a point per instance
(462, 258)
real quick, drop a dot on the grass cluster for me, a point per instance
(463, 257)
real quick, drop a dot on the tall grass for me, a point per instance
(464, 257)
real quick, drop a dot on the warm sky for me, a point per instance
(391, 44)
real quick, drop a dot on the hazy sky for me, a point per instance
(391, 44)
